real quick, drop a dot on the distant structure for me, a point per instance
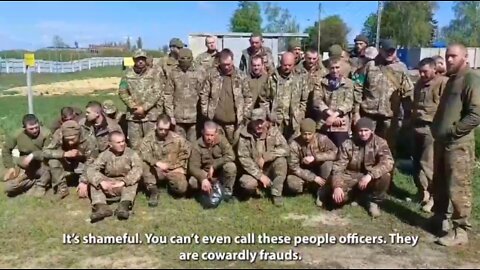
(96, 49)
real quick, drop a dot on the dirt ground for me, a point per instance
(76, 87)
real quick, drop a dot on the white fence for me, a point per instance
(42, 66)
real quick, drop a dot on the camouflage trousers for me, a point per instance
(188, 131)
(287, 130)
(375, 192)
(452, 181)
(297, 185)
(226, 175)
(231, 132)
(61, 168)
(176, 179)
(138, 130)
(276, 170)
(37, 173)
(423, 158)
(98, 196)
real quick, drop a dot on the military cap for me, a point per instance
(335, 50)
(70, 128)
(109, 107)
(176, 42)
(184, 52)
(361, 38)
(259, 114)
(365, 122)
(294, 44)
(307, 125)
(388, 44)
(139, 53)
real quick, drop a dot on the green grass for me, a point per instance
(66, 55)
(8, 81)
(31, 230)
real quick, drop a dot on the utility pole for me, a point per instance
(318, 34)
(379, 21)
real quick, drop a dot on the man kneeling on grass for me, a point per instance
(363, 168)
(114, 174)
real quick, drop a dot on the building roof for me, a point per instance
(266, 35)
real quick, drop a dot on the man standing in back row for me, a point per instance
(453, 128)
(257, 48)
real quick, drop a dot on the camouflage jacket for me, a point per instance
(313, 76)
(146, 90)
(384, 90)
(204, 157)
(242, 95)
(285, 98)
(127, 167)
(206, 60)
(275, 147)
(426, 98)
(183, 92)
(101, 132)
(373, 157)
(174, 150)
(25, 145)
(322, 148)
(164, 65)
(458, 113)
(340, 100)
(265, 52)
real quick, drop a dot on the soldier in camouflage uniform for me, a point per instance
(262, 152)
(167, 63)
(112, 112)
(285, 97)
(226, 97)
(165, 155)
(115, 173)
(440, 65)
(427, 93)
(363, 168)
(386, 91)
(257, 48)
(142, 91)
(212, 159)
(295, 47)
(98, 125)
(69, 155)
(310, 160)
(336, 51)
(361, 44)
(30, 173)
(183, 88)
(453, 126)
(333, 100)
(208, 58)
(257, 79)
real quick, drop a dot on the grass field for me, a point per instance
(8, 81)
(31, 230)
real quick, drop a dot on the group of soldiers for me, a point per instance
(327, 127)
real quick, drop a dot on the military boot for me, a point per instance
(99, 212)
(277, 201)
(454, 238)
(37, 191)
(321, 196)
(427, 208)
(62, 190)
(373, 209)
(123, 210)
(153, 199)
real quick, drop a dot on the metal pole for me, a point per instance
(318, 34)
(30, 92)
(379, 20)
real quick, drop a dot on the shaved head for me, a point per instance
(287, 63)
(456, 58)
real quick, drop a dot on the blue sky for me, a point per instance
(32, 25)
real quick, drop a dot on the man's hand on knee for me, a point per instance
(82, 190)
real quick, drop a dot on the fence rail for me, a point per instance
(43, 66)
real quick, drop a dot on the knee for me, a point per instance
(230, 169)
(294, 184)
(178, 184)
(248, 183)
(193, 183)
(280, 166)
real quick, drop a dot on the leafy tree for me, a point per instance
(465, 28)
(246, 18)
(333, 30)
(139, 43)
(279, 20)
(58, 42)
